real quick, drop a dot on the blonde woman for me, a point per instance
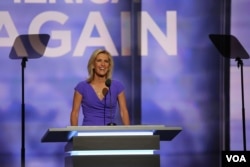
(99, 95)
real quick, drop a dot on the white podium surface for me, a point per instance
(166, 133)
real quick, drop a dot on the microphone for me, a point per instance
(108, 84)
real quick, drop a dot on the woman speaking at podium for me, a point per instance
(98, 95)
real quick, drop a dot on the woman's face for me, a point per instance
(101, 64)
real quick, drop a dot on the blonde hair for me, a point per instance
(91, 64)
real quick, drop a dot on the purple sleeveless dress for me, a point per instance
(95, 111)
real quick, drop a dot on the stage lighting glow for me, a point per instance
(72, 134)
(140, 133)
(112, 152)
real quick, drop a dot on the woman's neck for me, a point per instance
(99, 80)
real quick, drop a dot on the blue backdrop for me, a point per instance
(240, 29)
(162, 54)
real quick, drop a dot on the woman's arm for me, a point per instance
(123, 108)
(75, 109)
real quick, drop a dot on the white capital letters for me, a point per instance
(95, 20)
(243, 159)
(236, 158)
(7, 23)
(167, 41)
(63, 36)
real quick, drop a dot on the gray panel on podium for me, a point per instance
(113, 143)
(113, 161)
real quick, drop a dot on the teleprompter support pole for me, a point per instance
(23, 64)
(240, 64)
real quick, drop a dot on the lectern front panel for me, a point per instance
(113, 161)
(113, 143)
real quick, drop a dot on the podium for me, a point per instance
(112, 146)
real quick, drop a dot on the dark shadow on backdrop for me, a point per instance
(136, 64)
(224, 28)
(226, 112)
(129, 67)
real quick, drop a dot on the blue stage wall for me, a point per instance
(240, 29)
(162, 54)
